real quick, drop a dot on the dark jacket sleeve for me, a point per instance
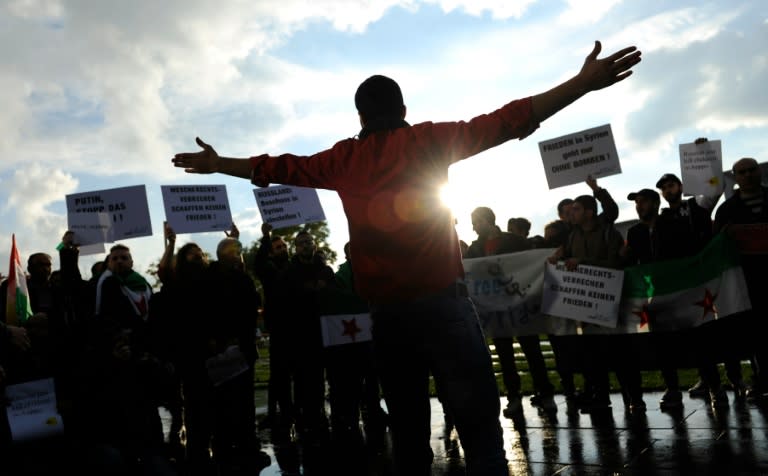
(610, 210)
(261, 261)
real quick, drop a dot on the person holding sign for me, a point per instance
(597, 243)
(407, 260)
(684, 228)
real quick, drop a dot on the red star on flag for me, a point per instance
(643, 315)
(350, 328)
(708, 303)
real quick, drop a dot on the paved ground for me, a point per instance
(693, 441)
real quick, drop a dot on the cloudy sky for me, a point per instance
(100, 94)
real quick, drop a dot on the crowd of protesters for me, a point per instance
(118, 350)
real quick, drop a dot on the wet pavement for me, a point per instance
(695, 440)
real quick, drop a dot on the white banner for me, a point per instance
(702, 168)
(282, 205)
(506, 290)
(196, 208)
(571, 158)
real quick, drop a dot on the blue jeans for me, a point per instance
(440, 334)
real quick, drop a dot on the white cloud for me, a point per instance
(36, 9)
(33, 188)
(499, 9)
(586, 11)
(677, 29)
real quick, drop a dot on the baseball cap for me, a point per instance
(667, 177)
(646, 192)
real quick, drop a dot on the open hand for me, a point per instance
(204, 162)
(601, 73)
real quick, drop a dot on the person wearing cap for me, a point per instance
(407, 259)
(642, 247)
(684, 228)
(749, 206)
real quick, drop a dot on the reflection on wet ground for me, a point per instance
(695, 440)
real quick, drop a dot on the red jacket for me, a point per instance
(403, 239)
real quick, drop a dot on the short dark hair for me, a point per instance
(522, 223)
(379, 96)
(563, 203)
(119, 247)
(588, 202)
(486, 213)
(181, 255)
(35, 255)
(559, 225)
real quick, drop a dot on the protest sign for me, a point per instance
(587, 294)
(32, 410)
(90, 229)
(702, 168)
(571, 158)
(196, 208)
(282, 205)
(104, 216)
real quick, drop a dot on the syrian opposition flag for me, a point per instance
(17, 305)
(685, 293)
(339, 329)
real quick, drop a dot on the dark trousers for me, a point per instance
(531, 347)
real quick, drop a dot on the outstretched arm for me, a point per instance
(595, 74)
(207, 161)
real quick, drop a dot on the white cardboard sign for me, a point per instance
(587, 294)
(32, 410)
(105, 216)
(570, 159)
(702, 168)
(196, 208)
(283, 205)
